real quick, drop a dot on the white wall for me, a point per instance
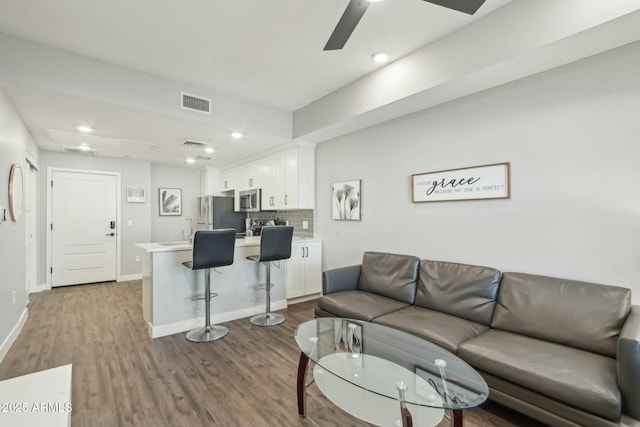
(15, 143)
(571, 135)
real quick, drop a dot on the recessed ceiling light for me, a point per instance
(84, 129)
(209, 150)
(190, 160)
(380, 57)
(236, 135)
(84, 147)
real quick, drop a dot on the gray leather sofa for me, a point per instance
(564, 352)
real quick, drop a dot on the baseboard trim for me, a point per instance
(129, 277)
(40, 288)
(8, 342)
(187, 325)
(304, 298)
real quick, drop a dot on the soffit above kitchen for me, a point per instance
(123, 65)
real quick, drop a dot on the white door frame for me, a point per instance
(50, 171)
(32, 173)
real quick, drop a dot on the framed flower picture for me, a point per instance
(346, 200)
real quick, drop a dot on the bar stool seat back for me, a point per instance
(211, 249)
(275, 245)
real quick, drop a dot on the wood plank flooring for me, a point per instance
(122, 377)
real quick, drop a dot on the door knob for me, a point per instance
(110, 234)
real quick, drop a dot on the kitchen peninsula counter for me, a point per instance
(167, 286)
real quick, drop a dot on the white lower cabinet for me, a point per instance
(304, 269)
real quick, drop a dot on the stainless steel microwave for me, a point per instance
(249, 200)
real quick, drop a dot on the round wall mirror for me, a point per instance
(15, 191)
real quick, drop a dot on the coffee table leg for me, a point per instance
(456, 418)
(407, 421)
(302, 387)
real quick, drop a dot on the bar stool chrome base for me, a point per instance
(208, 333)
(267, 319)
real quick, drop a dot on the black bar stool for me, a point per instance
(275, 244)
(211, 249)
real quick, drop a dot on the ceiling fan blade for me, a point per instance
(467, 6)
(347, 23)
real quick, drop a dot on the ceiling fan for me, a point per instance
(356, 8)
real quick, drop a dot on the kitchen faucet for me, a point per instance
(189, 235)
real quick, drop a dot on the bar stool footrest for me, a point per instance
(201, 297)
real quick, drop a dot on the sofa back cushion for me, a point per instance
(390, 275)
(578, 314)
(467, 291)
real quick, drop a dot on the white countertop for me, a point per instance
(186, 246)
(38, 399)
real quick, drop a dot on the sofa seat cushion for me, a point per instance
(358, 305)
(442, 329)
(575, 377)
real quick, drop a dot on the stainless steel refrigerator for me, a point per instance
(217, 212)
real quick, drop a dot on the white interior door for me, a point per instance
(83, 234)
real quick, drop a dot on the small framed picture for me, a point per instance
(170, 201)
(135, 195)
(345, 201)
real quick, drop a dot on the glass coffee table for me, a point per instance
(385, 376)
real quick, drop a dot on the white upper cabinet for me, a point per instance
(273, 182)
(242, 177)
(300, 178)
(255, 174)
(293, 174)
(286, 179)
(227, 180)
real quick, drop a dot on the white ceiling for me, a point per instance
(120, 65)
(268, 52)
(265, 51)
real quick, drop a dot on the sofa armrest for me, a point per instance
(340, 279)
(629, 363)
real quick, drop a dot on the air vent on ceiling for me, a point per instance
(195, 103)
(76, 150)
(195, 144)
(200, 157)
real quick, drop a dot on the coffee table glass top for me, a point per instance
(383, 360)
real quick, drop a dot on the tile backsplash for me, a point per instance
(295, 218)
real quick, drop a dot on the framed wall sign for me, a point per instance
(135, 195)
(471, 183)
(170, 201)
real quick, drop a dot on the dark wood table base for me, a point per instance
(302, 387)
(407, 421)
